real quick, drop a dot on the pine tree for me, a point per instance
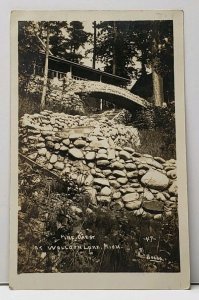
(77, 37)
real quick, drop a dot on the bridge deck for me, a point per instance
(117, 95)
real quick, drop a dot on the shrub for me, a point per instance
(155, 117)
(157, 130)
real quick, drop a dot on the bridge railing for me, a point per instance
(79, 78)
(53, 73)
(39, 70)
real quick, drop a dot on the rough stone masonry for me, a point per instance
(102, 160)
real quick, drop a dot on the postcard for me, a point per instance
(98, 151)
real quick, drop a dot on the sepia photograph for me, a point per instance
(97, 160)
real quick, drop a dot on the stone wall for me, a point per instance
(100, 157)
(61, 101)
(58, 98)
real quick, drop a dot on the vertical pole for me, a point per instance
(43, 98)
(158, 91)
(114, 44)
(94, 44)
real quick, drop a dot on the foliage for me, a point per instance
(157, 130)
(153, 41)
(28, 47)
(65, 41)
(149, 42)
(155, 117)
(113, 45)
(58, 41)
(156, 143)
(31, 40)
(77, 38)
(29, 104)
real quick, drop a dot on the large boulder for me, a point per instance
(155, 180)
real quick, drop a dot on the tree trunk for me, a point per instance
(158, 91)
(94, 45)
(43, 98)
(114, 52)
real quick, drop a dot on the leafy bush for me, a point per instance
(156, 117)
(157, 130)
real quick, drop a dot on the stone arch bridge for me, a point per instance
(114, 94)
